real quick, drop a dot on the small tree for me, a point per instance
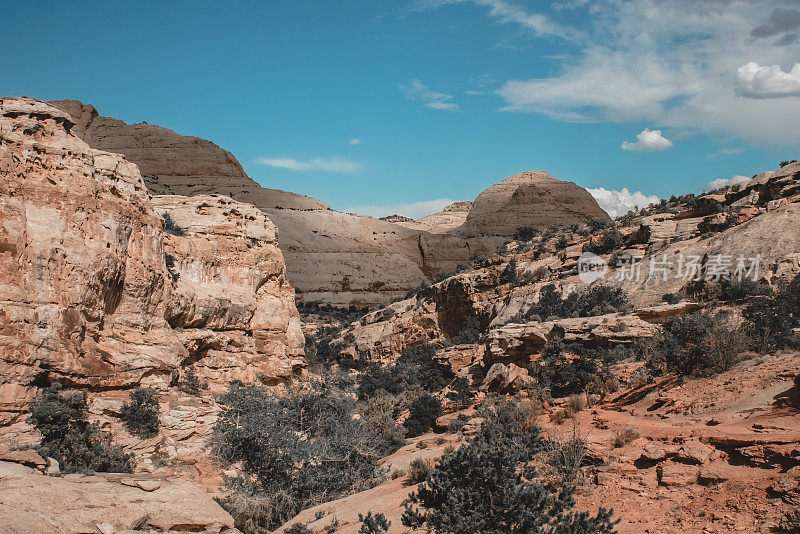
(140, 415)
(77, 445)
(489, 486)
(373, 524)
(509, 274)
(423, 412)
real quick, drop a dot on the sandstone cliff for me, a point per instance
(332, 257)
(89, 296)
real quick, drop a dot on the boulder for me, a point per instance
(676, 474)
(694, 452)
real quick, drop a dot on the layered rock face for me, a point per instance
(231, 303)
(531, 198)
(450, 217)
(85, 283)
(177, 164)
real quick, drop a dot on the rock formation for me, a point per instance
(334, 257)
(105, 503)
(450, 217)
(231, 303)
(531, 198)
(91, 299)
(177, 164)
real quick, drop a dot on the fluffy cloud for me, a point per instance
(355, 141)
(755, 81)
(617, 203)
(623, 71)
(334, 165)
(414, 210)
(725, 182)
(648, 141)
(418, 91)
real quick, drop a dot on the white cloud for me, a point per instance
(355, 141)
(414, 210)
(334, 165)
(506, 13)
(648, 141)
(675, 63)
(727, 152)
(725, 182)
(617, 203)
(418, 91)
(755, 81)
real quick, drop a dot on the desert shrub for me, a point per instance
(740, 290)
(563, 375)
(697, 344)
(597, 224)
(296, 450)
(423, 412)
(299, 528)
(78, 446)
(489, 486)
(565, 455)
(509, 274)
(418, 470)
(190, 383)
(525, 233)
(771, 320)
(562, 242)
(140, 415)
(417, 368)
(470, 333)
(458, 423)
(373, 524)
(597, 299)
(611, 240)
(458, 392)
(169, 225)
(379, 414)
(671, 298)
(576, 403)
(625, 436)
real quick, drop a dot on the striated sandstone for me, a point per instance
(88, 295)
(452, 216)
(532, 198)
(231, 301)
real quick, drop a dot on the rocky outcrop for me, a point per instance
(532, 198)
(177, 164)
(231, 303)
(450, 217)
(87, 294)
(105, 503)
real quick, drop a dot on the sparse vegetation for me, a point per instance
(296, 451)
(140, 415)
(190, 383)
(489, 486)
(565, 456)
(78, 446)
(418, 470)
(772, 319)
(697, 344)
(596, 299)
(423, 412)
(373, 524)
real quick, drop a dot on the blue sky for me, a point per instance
(444, 97)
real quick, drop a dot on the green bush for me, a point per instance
(697, 344)
(418, 470)
(423, 412)
(77, 445)
(373, 524)
(296, 450)
(598, 299)
(509, 274)
(489, 486)
(140, 415)
(525, 233)
(565, 376)
(417, 368)
(772, 319)
(609, 241)
(190, 382)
